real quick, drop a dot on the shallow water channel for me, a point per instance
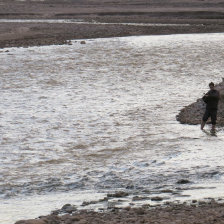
(80, 21)
(78, 121)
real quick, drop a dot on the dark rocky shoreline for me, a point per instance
(35, 34)
(196, 212)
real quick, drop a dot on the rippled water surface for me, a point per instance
(100, 117)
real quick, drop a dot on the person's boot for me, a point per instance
(202, 125)
(213, 129)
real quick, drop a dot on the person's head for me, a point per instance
(211, 85)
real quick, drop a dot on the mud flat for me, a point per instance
(193, 16)
(196, 212)
(192, 114)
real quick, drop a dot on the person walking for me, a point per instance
(211, 98)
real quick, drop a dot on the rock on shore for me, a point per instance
(192, 114)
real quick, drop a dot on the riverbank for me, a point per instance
(176, 18)
(197, 212)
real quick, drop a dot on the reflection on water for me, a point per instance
(101, 117)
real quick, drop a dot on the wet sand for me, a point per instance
(201, 17)
(195, 213)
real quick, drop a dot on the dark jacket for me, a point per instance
(211, 98)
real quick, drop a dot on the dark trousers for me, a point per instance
(210, 113)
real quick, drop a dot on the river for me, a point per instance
(78, 121)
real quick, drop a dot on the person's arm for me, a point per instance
(205, 97)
